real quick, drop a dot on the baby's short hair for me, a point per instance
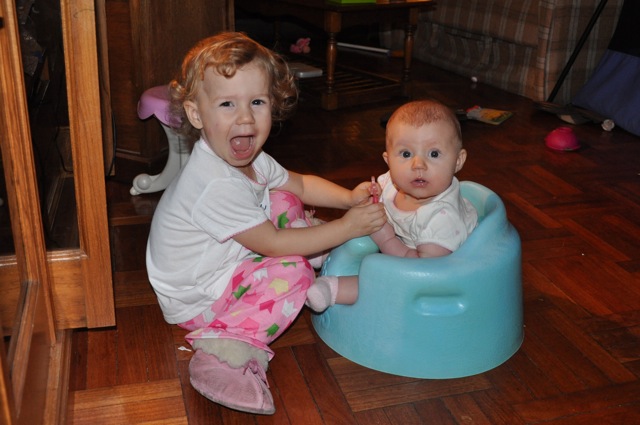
(227, 52)
(426, 111)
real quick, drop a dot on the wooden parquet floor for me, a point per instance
(577, 213)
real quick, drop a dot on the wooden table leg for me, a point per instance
(277, 39)
(408, 51)
(332, 57)
(332, 26)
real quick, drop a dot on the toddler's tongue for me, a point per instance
(241, 144)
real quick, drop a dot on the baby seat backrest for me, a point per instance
(491, 214)
(479, 197)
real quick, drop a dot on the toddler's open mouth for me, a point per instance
(242, 146)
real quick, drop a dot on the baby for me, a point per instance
(427, 215)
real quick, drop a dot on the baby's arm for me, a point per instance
(432, 250)
(390, 244)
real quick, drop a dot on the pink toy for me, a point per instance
(154, 102)
(374, 191)
(301, 46)
(562, 139)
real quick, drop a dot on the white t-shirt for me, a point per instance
(446, 220)
(191, 253)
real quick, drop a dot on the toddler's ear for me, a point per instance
(191, 109)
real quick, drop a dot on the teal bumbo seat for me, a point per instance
(438, 318)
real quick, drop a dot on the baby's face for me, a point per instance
(423, 160)
(233, 114)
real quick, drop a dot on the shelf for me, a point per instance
(351, 86)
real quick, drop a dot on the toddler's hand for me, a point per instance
(365, 192)
(365, 219)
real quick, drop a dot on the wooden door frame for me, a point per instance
(25, 368)
(81, 279)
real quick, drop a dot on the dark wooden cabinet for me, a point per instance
(146, 41)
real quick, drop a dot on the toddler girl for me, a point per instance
(219, 265)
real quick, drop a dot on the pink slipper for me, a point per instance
(245, 388)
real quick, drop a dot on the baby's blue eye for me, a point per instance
(405, 154)
(227, 103)
(434, 154)
(258, 102)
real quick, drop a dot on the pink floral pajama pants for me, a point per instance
(265, 294)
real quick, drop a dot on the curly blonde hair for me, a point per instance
(227, 52)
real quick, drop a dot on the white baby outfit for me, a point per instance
(446, 220)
